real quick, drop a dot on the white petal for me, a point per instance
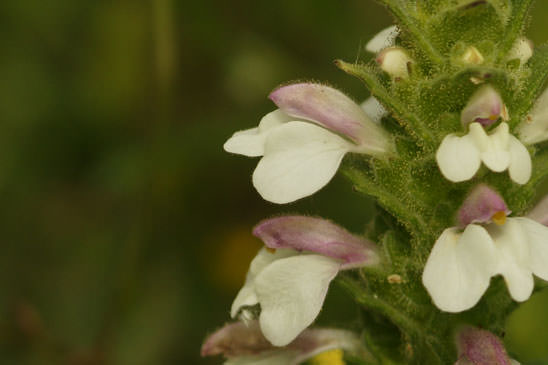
(535, 128)
(385, 38)
(247, 296)
(459, 268)
(458, 158)
(493, 148)
(291, 292)
(374, 110)
(537, 237)
(251, 141)
(514, 262)
(300, 158)
(520, 161)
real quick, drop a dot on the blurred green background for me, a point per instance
(125, 227)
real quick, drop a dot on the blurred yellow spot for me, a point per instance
(271, 250)
(227, 256)
(499, 218)
(333, 357)
(493, 117)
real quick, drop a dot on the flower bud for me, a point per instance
(395, 62)
(472, 56)
(480, 347)
(522, 50)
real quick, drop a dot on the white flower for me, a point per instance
(462, 262)
(384, 39)
(291, 289)
(459, 158)
(291, 283)
(304, 142)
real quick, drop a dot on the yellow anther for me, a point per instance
(395, 279)
(499, 218)
(493, 117)
(271, 250)
(333, 357)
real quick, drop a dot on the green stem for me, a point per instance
(387, 200)
(408, 119)
(410, 24)
(400, 319)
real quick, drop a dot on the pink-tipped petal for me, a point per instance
(480, 347)
(333, 110)
(481, 205)
(484, 107)
(317, 235)
(238, 340)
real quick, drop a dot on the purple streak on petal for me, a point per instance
(485, 107)
(317, 235)
(485, 121)
(323, 105)
(236, 339)
(480, 347)
(480, 206)
(540, 212)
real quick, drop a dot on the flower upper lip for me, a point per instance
(304, 142)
